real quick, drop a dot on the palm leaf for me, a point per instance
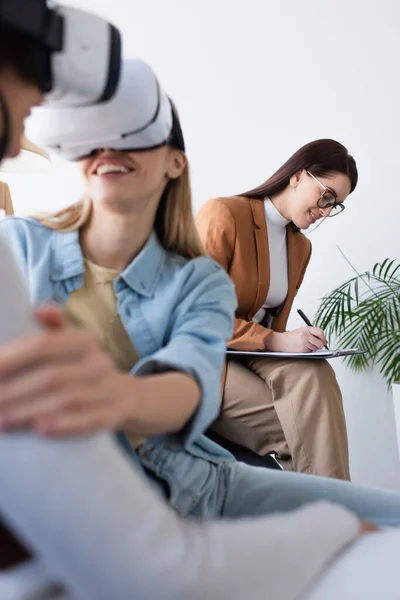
(364, 312)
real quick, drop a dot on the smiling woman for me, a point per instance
(274, 404)
(127, 266)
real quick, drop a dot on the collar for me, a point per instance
(66, 256)
(273, 215)
(145, 269)
(141, 275)
(259, 218)
(257, 208)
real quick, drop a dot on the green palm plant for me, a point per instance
(364, 312)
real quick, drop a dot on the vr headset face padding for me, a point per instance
(138, 117)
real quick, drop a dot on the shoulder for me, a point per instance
(24, 235)
(195, 269)
(227, 208)
(28, 241)
(226, 204)
(197, 275)
(24, 228)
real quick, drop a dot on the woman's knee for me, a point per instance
(309, 385)
(315, 371)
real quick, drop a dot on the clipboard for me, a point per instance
(316, 354)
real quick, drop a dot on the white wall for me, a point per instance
(255, 80)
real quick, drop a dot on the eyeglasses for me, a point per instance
(328, 199)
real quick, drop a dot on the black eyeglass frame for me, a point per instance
(328, 203)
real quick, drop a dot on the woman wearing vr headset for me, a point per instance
(112, 262)
(293, 407)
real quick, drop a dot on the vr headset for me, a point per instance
(138, 117)
(78, 54)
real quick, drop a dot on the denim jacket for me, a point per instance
(177, 312)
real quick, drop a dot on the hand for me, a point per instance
(305, 339)
(367, 527)
(60, 382)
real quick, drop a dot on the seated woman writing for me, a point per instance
(290, 406)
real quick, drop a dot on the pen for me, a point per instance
(308, 322)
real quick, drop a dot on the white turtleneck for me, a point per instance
(278, 264)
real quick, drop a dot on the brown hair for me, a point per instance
(321, 158)
(174, 223)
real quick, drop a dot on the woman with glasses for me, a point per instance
(272, 404)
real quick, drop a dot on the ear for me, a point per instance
(296, 179)
(177, 163)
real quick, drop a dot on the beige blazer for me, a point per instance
(234, 233)
(5, 199)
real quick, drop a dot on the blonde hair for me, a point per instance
(174, 222)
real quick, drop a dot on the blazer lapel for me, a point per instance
(262, 251)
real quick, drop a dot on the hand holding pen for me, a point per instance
(308, 322)
(304, 339)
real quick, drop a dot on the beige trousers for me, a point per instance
(291, 406)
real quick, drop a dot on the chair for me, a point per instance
(270, 461)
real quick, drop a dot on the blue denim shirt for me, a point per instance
(177, 312)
